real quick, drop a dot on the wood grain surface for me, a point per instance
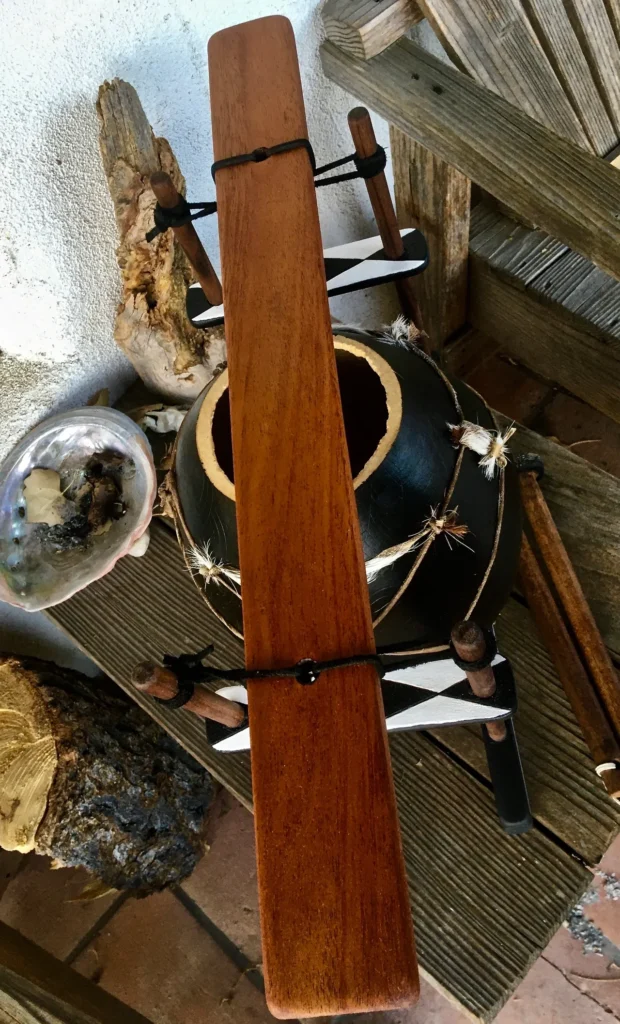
(495, 42)
(550, 307)
(435, 197)
(488, 139)
(366, 27)
(485, 904)
(336, 925)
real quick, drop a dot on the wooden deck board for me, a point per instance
(484, 904)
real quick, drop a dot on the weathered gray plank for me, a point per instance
(366, 27)
(548, 337)
(565, 792)
(435, 197)
(484, 904)
(495, 43)
(596, 34)
(573, 195)
(583, 289)
(510, 248)
(552, 23)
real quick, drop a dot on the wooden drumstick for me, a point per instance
(578, 613)
(168, 197)
(469, 644)
(582, 695)
(365, 142)
(151, 678)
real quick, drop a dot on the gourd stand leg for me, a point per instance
(500, 740)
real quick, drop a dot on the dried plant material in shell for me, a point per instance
(43, 497)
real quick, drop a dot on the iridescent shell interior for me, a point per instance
(35, 573)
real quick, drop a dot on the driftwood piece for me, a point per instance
(171, 356)
(435, 197)
(121, 799)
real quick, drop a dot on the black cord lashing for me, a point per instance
(484, 661)
(177, 216)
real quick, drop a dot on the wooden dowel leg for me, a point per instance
(572, 598)
(469, 644)
(168, 197)
(365, 142)
(500, 741)
(162, 682)
(581, 693)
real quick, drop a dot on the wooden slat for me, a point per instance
(366, 27)
(595, 31)
(547, 338)
(496, 44)
(36, 988)
(435, 197)
(484, 904)
(565, 793)
(584, 290)
(552, 23)
(335, 919)
(573, 195)
(514, 251)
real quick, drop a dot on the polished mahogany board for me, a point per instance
(336, 923)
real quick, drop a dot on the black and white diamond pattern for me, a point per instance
(348, 268)
(417, 696)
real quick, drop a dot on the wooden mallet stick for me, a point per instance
(157, 681)
(365, 142)
(572, 598)
(168, 197)
(470, 645)
(582, 695)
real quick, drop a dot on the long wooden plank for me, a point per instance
(485, 904)
(495, 43)
(552, 22)
(595, 31)
(571, 194)
(565, 793)
(336, 926)
(435, 197)
(366, 27)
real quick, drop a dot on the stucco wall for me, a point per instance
(58, 275)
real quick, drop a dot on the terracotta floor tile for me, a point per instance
(154, 956)
(545, 996)
(571, 420)
(592, 974)
(223, 884)
(38, 903)
(605, 911)
(509, 389)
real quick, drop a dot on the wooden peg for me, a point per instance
(572, 598)
(168, 197)
(151, 678)
(582, 695)
(365, 142)
(469, 644)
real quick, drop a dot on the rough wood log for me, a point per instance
(171, 356)
(87, 779)
(435, 197)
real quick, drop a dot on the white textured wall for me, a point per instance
(58, 276)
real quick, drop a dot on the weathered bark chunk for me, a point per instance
(171, 356)
(124, 801)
